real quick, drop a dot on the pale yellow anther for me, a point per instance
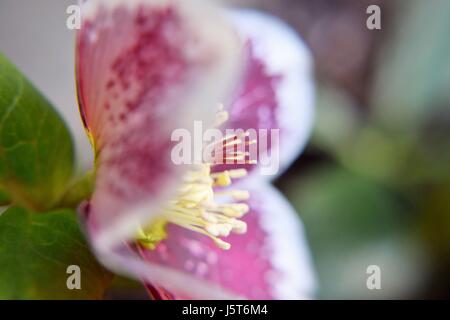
(221, 118)
(222, 180)
(237, 173)
(213, 230)
(235, 210)
(239, 227)
(209, 217)
(238, 195)
(222, 244)
(219, 230)
(197, 193)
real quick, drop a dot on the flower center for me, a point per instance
(199, 207)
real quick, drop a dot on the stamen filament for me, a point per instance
(195, 207)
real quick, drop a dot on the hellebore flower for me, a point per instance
(146, 68)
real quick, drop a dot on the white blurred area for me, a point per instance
(33, 34)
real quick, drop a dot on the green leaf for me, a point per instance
(37, 249)
(36, 149)
(4, 197)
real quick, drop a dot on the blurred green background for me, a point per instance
(373, 186)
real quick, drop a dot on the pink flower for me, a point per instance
(145, 68)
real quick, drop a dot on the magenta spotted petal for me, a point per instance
(276, 91)
(145, 68)
(142, 69)
(270, 261)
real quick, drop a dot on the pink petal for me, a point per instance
(277, 89)
(270, 261)
(144, 68)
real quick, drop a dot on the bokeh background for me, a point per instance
(373, 185)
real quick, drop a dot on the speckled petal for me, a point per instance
(145, 68)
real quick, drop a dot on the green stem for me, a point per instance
(80, 190)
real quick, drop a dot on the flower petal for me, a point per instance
(145, 68)
(270, 261)
(277, 88)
